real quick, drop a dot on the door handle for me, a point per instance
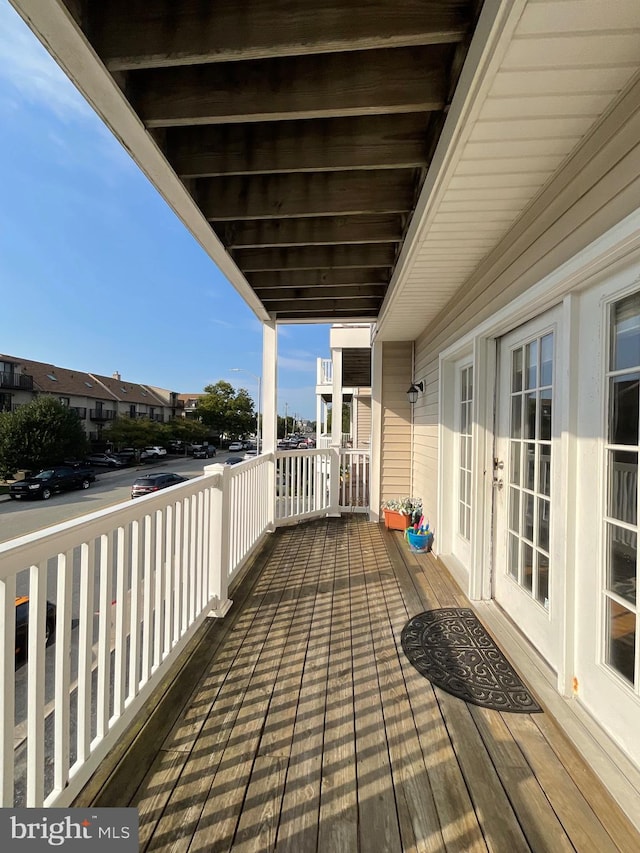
(497, 483)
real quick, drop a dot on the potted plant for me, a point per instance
(399, 513)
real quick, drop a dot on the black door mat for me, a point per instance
(451, 648)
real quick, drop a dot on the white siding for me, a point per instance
(395, 467)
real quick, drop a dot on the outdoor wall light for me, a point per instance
(416, 388)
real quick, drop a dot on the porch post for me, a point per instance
(219, 538)
(318, 416)
(270, 409)
(336, 433)
(376, 431)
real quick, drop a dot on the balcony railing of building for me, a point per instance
(324, 372)
(346, 440)
(131, 584)
(102, 414)
(16, 381)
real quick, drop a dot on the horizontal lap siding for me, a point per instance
(598, 187)
(363, 422)
(395, 467)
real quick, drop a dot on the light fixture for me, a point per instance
(412, 393)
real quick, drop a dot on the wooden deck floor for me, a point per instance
(310, 731)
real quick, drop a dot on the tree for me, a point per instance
(226, 410)
(133, 432)
(42, 433)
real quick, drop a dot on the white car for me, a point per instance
(235, 446)
(154, 452)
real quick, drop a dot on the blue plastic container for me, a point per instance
(419, 541)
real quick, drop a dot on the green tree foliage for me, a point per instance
(133, 432)
(42, 433)
(226, 410)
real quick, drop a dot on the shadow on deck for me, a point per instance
(308, 730)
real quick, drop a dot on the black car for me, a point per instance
(22, 624)
(233, 460)
(47, 482)
(149, 483)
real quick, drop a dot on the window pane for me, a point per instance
(516, 370)
(530, 411)
(546, 360)
(527, 566)
(623, 409)
(514, 509)
(622, 550)
(545, 415)
(623, 485)
(512, 565)
(543, 523)
(543, 580)
(621, 636)
(515, 463)
(516, 416)
(463, 480)
(544, 469)
(625, 337)
(470, 383)
(463, 384)
(530, 467)
(527, 516)
(531, 365)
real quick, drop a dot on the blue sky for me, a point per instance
(96, 272)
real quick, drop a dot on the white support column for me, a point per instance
(318, 417)
(269, 387)
(376, 431)
(336, 433)
(270, 410)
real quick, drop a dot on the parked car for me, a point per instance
(235, 446)
(108, 460)
(155, 452)
(233, 460)
(22, 624)
(49, 481)
(149, 483)
(203, 451)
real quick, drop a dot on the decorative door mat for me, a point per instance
(451, 648)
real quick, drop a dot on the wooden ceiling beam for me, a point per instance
(315, 257)
(357, 142)
(313, 231)
(291, 279)
(376, 291)
(307, 194)
(130, 34)
(300, 312)
(357, 304)
(406, 80)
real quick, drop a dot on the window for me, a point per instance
(622, 441)
(529, 495)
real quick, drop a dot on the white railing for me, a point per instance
(302, 483)
(130, 586)
(346, 440)
(354, 480)
(324, 372)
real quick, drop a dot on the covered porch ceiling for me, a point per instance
(345, 162)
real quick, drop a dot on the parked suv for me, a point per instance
(47, 482)
(149, 483)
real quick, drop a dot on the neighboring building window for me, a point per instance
(620, 579)
(529, 497)
(5, 401)
(65, 401)
(464, 477)
(132, 410)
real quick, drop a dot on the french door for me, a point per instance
(526, 581)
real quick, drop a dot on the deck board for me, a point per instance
(310, 730)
